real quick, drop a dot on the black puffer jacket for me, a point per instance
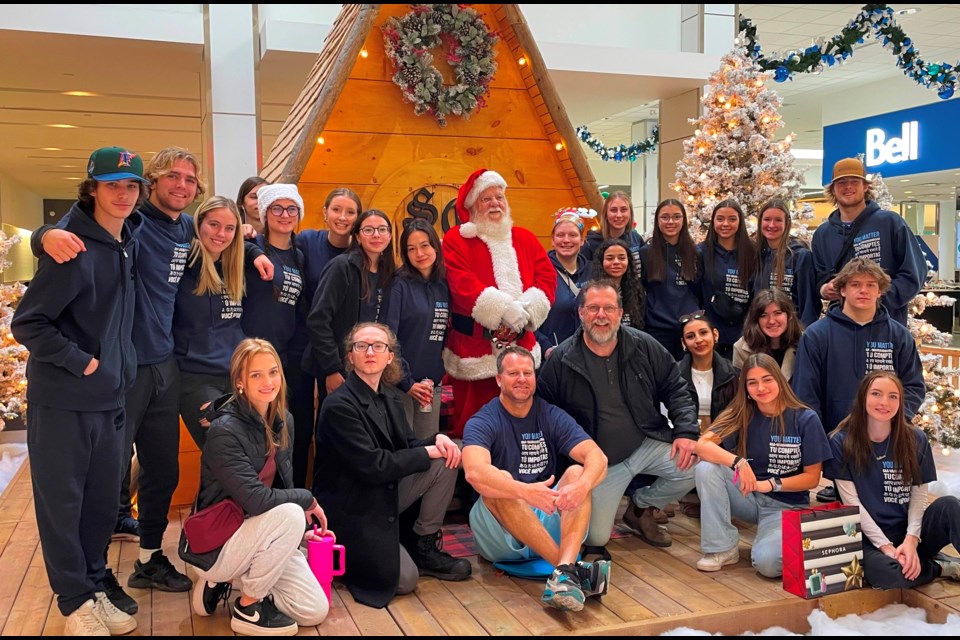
(648, 376)
(724, 382)
(233, 456)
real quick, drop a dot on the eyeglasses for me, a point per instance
(278, 210)
(594, 309)
(369, 231)
(678, 218)
(378, 347)
(689, 317)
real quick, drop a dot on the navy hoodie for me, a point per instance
(206, 329)
(317, 252)
(80, 310)
(564, 319)
(883, 237)
(799, 281)
(670, 298)
(835, 353)
(418, 311)
(271, 309)
(595, 238)
(723, 274)
(164, 245)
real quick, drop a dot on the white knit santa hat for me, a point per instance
(270, 193)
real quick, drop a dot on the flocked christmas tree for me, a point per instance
(13, 356)
(734, 152)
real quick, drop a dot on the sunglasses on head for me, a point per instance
(696, 315)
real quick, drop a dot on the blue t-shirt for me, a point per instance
(526, 447)
(802, 444)
(881, 490)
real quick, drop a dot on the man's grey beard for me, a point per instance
(614, 328)
(495, 230)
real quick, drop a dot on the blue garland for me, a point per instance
(878, 18)
(621, 152)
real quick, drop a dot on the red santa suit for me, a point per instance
(486, 274)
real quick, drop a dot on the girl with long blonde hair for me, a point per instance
(208, 310)
(247, 459)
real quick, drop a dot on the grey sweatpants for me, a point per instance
(263, 558)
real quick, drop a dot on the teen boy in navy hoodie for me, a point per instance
(856, 337)
(76, 319)
(878, 234)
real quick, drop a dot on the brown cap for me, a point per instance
(848, 168)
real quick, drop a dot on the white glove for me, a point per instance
(515, 316)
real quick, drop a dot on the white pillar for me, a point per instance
(230, 102)
(644, 177)
(947, 250)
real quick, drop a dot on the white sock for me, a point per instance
(146, 554)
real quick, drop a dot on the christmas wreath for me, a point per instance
(409, 41)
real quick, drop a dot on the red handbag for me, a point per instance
(822, 550)
(210, 528)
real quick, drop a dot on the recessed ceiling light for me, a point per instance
(62, 126)
(81, 94)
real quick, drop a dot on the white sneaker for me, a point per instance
(85, 622)
(716, 561)
(116, 621)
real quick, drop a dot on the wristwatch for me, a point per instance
(777, 483)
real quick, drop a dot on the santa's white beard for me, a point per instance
(499, 230)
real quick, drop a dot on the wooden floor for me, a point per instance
(652, 590)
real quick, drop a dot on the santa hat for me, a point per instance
(477, 183)
(270, 193)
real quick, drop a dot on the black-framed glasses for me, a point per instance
(378, 347)
(369, 231)
(278, 210)
(696, 315)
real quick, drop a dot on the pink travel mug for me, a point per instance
(320, 558)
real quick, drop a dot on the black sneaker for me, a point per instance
(128, 528)
(828, 495)
(115, 594)
(206, 596)
(158, 574)
(261, 619)
(427, 554)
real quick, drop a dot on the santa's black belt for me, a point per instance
(466, 325)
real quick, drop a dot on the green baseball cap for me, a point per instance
(115, 163)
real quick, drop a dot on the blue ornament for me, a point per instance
(946, 91)
(781, 74)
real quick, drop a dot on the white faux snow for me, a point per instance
(892, 620)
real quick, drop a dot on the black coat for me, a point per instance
(360, 461)
(724, 382)
(232, 459)
(648, 376)
(336, 309)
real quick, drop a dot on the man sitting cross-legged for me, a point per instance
(511, 450)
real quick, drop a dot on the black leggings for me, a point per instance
(941, 527)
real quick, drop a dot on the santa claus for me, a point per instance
(501, 287)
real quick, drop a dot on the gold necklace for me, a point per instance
(885, 450)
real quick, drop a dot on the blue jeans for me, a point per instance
(651, 457)
(721, 500)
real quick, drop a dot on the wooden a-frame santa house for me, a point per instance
(351, 127)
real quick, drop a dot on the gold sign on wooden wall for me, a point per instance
(435, 203)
